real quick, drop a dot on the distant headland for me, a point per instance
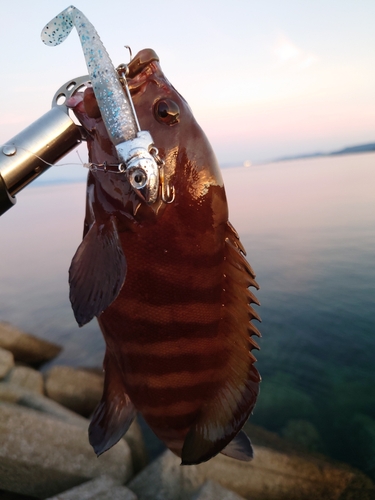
(363, 148)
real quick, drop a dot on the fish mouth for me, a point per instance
(141, 61)
(140, 68)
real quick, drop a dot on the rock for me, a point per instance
(271, 474)
(76, 389)
(6, 362)
(361, 440)
(26, 377)
(8, 495)
(280, 402)
(262, 437)
(41, 456)
(101, 488)
(137, 446)
(11, 393)
(281, 476)
(154, 445)
(211, 490)
(165, 479)
(116, 493)
(304, 433)
(25, 347)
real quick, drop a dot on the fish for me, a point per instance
(167, 279)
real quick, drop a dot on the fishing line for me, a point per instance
(167, 191)
(45, 161)
(103, 167)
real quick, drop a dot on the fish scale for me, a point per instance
(178, 331)
(156, 382)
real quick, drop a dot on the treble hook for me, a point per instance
(124, 68)
(168, 193)
(167, 190)
(130, 51)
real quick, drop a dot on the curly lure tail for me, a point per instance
(113, 103)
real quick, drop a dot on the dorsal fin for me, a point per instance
(223, 416)
(114, 413)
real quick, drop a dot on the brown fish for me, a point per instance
(168, 283)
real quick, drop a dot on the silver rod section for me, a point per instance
(30, 153)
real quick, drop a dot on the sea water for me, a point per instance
(309, 230)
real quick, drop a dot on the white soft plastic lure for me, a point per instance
(132, 145)
(112, 101)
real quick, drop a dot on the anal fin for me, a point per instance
(114, 413)
(239, 448)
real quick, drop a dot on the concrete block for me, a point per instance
(281, 476)
(26, 377)
(41, 456)
(101, 488)
(134, 438)
(213, 491)
(11, 393)
(166, 479)
(76, 389)
(6, 362)
(271, 475)
(26, 347)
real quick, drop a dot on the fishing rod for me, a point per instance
(34, 150)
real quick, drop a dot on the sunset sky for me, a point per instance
(264, 79)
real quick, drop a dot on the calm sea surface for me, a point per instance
(309, 230)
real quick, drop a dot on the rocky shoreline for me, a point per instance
(45, 453)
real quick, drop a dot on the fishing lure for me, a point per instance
(135, 148)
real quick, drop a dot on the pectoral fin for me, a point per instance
(97, 271)
(114, 413)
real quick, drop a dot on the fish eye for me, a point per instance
(167, 111)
